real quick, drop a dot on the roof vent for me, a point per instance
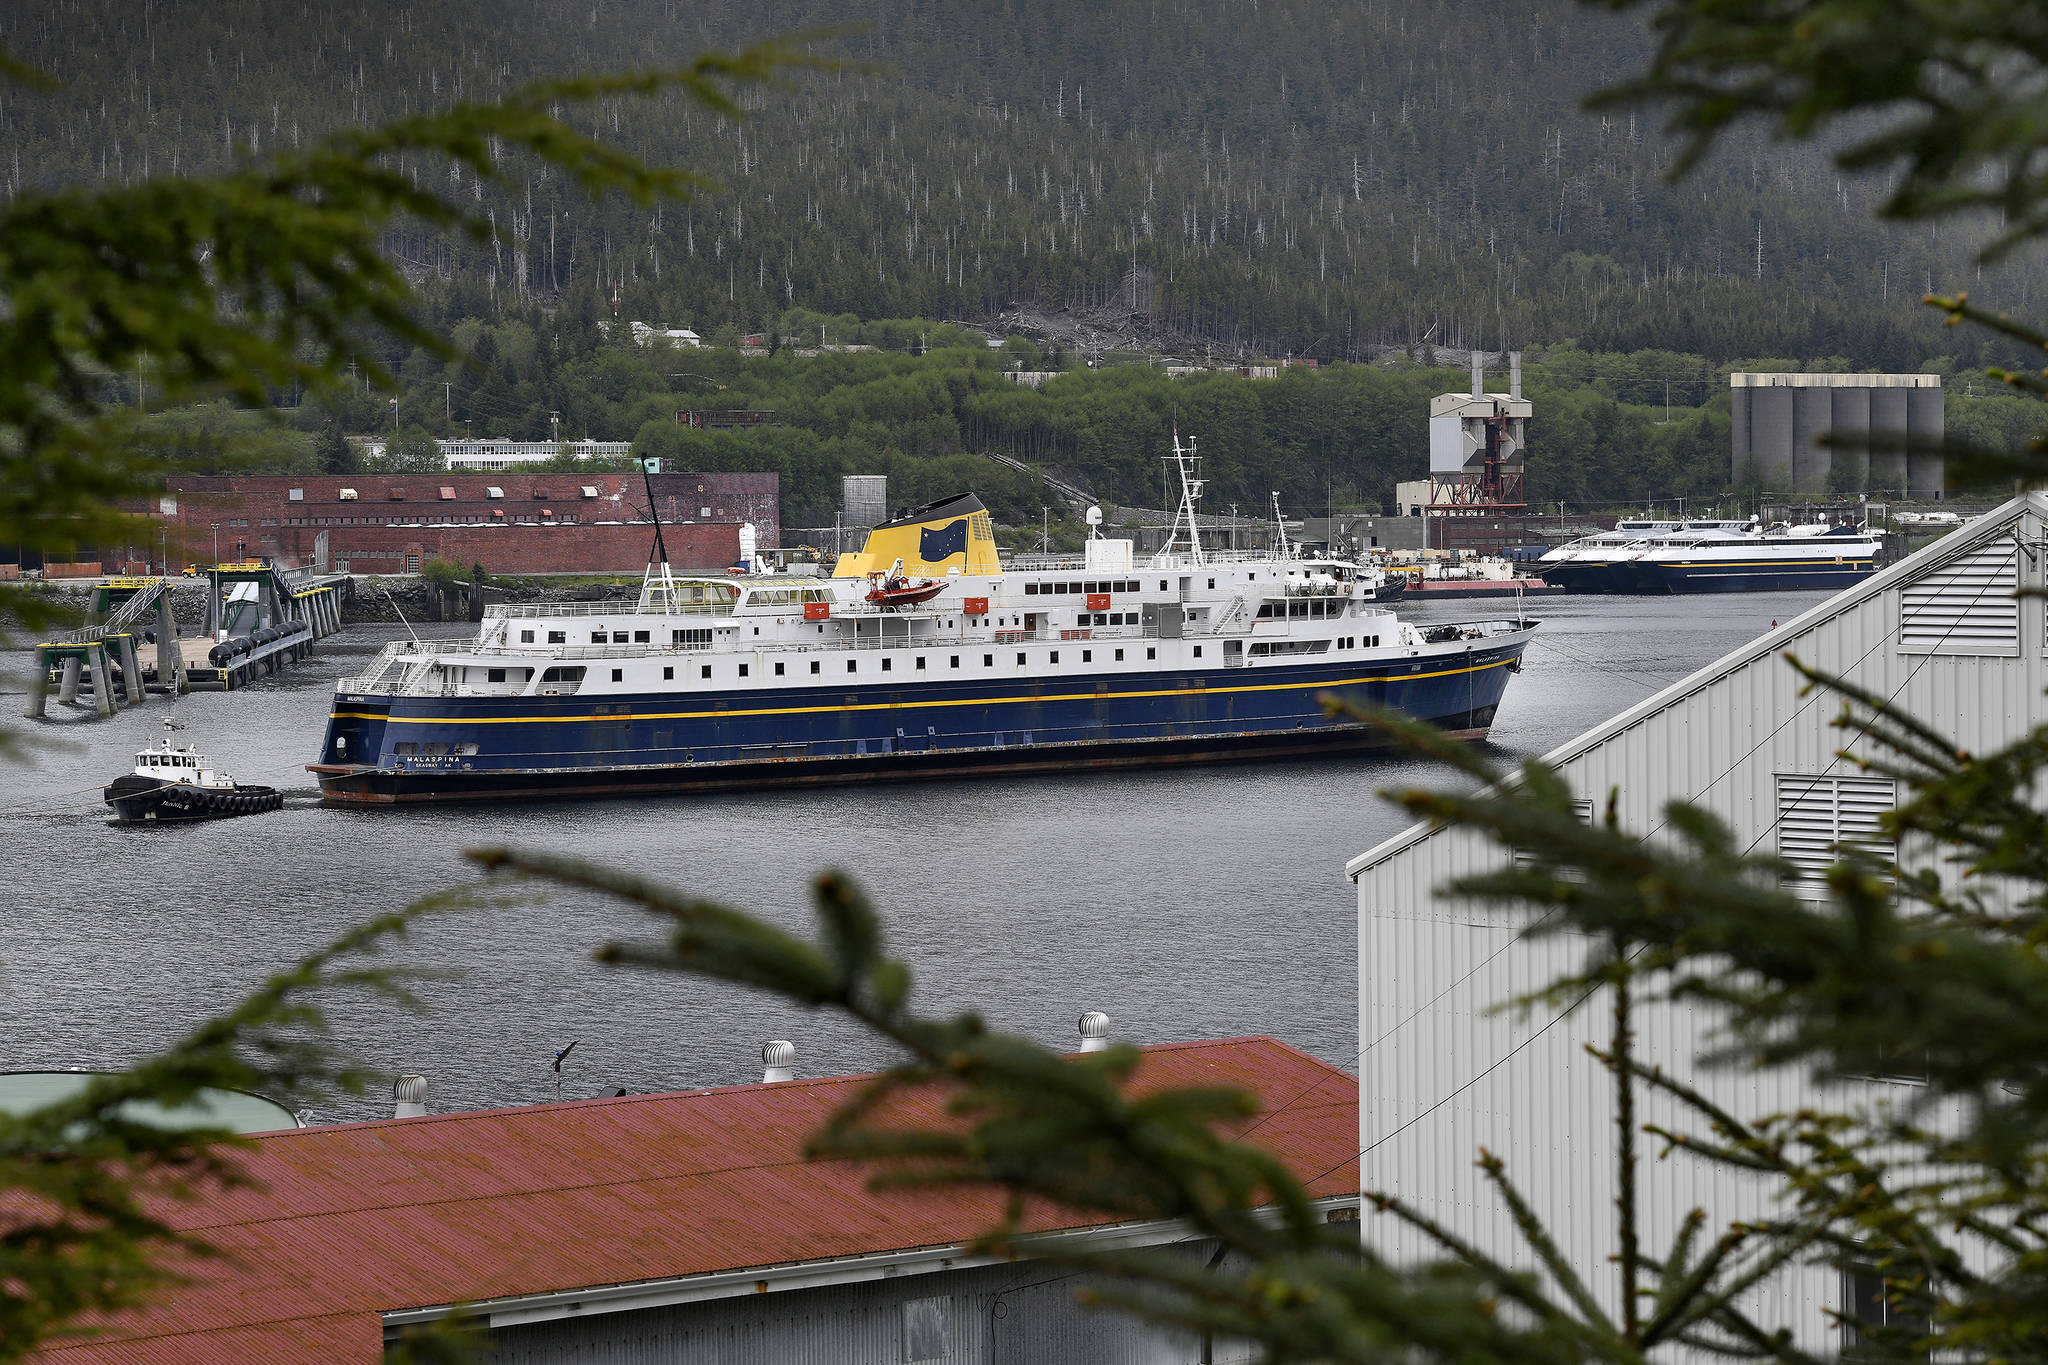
(776, 1056)
(1094, 1031)
(409, 1097)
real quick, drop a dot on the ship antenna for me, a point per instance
(1190, 466)
(659, 552)
(653, 512)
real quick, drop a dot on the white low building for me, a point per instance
(647, 334)
(1444, 1074)
(490, 457)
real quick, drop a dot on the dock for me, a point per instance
(259, 619)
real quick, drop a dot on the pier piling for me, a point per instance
(102, 680)
(73, 669)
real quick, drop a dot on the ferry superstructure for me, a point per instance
(774, 679)
(1816, 555)
(1603, 562)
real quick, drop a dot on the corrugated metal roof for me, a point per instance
(345, 1222)
(1994, 524)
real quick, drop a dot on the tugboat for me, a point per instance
(176, 782)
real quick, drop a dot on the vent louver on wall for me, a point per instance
(1965, 607)
(1816, 813)
(1581, 807)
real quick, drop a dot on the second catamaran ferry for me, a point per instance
(923, 655)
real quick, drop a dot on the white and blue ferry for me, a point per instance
(921, 656)
(1772, 559)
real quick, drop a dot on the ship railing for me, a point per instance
(527, 611)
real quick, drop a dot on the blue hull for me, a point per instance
(383, 750)
(1758, 577)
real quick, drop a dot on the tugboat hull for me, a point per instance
(141, 800)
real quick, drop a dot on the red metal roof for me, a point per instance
(347, 1221)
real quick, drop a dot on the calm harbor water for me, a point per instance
(1187, 904)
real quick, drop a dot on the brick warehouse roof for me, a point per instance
(348, 1221)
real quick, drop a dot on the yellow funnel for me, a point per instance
(952, 534)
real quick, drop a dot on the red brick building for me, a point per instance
(514, 522)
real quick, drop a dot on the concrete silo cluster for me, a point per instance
(1840, 433)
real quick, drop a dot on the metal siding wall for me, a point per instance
(998, 1315)
(1440, 1074)
(1926, 420)
(1888, 422)
(1770, 435)
(1813, 414)
(1738, 426)
(1850, 451)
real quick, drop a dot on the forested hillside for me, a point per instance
(1277, 176)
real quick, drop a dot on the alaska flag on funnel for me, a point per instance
(938, 543)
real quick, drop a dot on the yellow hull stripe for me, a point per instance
(904, 705)
(1764, 563)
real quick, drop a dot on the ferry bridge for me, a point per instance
(258, 620)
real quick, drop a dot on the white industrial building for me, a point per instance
(490, 457)
(1443, 1073)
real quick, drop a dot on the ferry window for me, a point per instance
(1162, 585)
(920, 661)
(1119, 656)
(853, 665)
(668, 675)
(1020, 658)
(618, 675)
(988, 661)
(1055, 656)
(885, 664)
(525, 637)
(1198, 651)
(1031, 590)
(1087, 656)
(814, 665)
(495, 675)
(1151, 653)
(743, 670)
(1212, 585)
(707, 673)
(778, 670)
(558, 637)
(598, 637)
(640, 637)
(956, 661)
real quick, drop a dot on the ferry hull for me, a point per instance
(639, 745)
(1756, 577)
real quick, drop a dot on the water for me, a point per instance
(1188, 904)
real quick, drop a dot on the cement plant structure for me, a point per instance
(1838, 433)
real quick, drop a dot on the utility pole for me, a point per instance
(448, 396)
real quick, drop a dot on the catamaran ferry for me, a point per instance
(921, 656)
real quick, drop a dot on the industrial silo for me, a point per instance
(1838, 433)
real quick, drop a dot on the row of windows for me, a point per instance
(678, 639)
(1312, 608)
(1108, 585)
(495, 519)
(817, 666)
